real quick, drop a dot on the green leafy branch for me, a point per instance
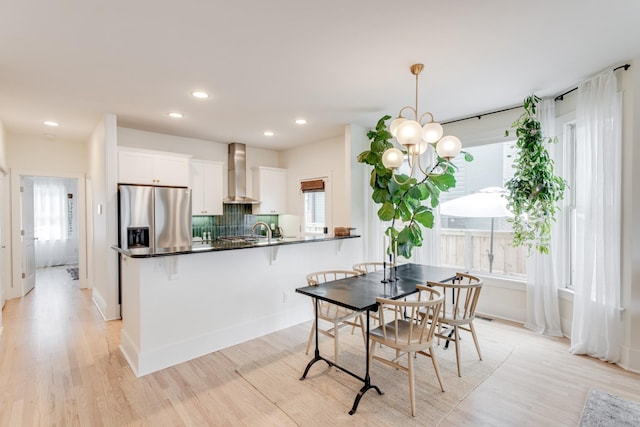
(534, 190)
(404, 203)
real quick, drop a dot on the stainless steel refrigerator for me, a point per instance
(154, 220)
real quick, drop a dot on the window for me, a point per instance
(51, 219)
(479, 244)
(569, 151)
(313, 192)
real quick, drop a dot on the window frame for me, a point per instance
(566, 168)
(314, 188)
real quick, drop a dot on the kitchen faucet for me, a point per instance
(253, 229)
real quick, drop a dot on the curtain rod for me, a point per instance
(557, 98)
(561, 96)
(479, 116)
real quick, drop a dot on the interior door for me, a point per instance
(28, 236)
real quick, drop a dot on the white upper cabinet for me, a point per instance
(270, 187)
(206, 187)
(137, 166)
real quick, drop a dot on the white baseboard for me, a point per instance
(152, 360)
(630, 359)
(130, 351)
(101, 304)
(493, 316)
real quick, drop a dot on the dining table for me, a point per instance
(359, 293)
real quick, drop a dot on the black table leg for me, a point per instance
(446, 345)
(316, 354)
(367, 379)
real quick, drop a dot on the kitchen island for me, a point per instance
(180, 306)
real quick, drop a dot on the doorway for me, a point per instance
(55, 220)
(48, 228)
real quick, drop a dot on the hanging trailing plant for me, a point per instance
(534, 190)
(409, 205)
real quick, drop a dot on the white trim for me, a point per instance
(566, 294)
(503, 282)
(156, 152)
(130, 351)
(101, 305)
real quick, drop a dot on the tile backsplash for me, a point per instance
(236, 220)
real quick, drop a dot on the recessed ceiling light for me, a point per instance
(268, 133)
(51, 123)
(301, 121)
(199, 94)
(176, 115)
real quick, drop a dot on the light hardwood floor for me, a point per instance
(60, 365)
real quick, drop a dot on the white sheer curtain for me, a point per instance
(597, 322)
(50, 220)
(543, 314)
(429, 252)
(374, 231)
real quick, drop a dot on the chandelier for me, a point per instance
(416, 138)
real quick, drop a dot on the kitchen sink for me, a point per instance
(233, 242)
(251, 240)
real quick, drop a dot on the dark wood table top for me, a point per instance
(360, 292)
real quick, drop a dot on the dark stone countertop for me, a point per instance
(219, 245)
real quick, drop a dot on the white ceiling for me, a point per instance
(266, 63)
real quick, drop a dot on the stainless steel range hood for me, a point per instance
(237, 175)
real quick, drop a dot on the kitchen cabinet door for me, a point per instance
(206, 187)
(135, 168)
(152, 168)
(171, 170)
(270, 187)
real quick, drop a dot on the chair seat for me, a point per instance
(335, 313)
(405, 332)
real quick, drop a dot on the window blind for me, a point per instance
(311, 186)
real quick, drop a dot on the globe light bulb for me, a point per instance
(409, 132)
(449, 147)
(392, 158)
(393, 127)
(432, 132)
(419, 148)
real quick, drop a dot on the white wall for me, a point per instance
(487, 130)
(102, 178)
(326, 158)
(197, 149)
(630, 82)
(4, 223)
(356, 142)
(46, 156)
